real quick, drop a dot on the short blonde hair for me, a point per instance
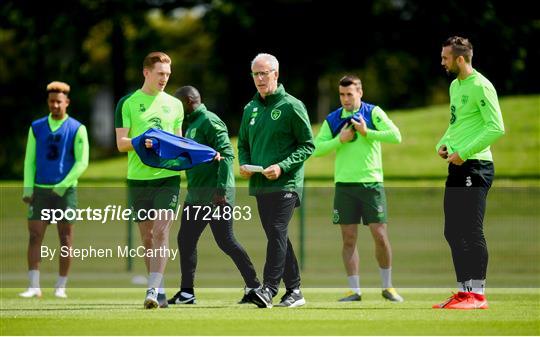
(155, 57)
(57, 86)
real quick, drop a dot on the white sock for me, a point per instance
(478, 286)
(62, 281)
(465, 286)
(354, 284)
(154, 280)
(33, 278)
(386, 277)
(161, 289)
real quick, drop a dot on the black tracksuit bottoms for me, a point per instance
(190, 231)
(276, 210)
(465, 196)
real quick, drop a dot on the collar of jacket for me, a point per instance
(196, 113)
(274, 97)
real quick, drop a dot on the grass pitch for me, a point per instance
(120, 312)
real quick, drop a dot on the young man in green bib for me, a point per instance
(355, 131)
(475, 123)
(57, 154)
(151, 188)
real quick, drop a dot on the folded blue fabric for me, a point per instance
(170, 151)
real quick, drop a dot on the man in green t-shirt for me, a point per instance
(209, 200)
(151, 189)
(56, 156)
(475, 123)
(274, 141)
(355, 131)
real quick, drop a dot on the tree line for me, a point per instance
(393, 45)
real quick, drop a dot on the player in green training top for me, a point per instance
(56, 156)
(355, 131)
(475, 123)
(210, 186)
(151, 188)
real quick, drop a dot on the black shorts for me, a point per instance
(465, 194)
(472, 173)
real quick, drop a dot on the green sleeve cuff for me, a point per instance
(29, 165)
(28, 191)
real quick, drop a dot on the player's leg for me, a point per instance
(349, 251)
(165, 202)
(222, 229)
(383, 250)
(481, 173)
(383, 254)
(158, 260)
(145, 230)
(457, 221)
(156, 265)
(291, 278)
(188, 236)
(139, 202)
(374, 210)
(275, 211)
(454, 229)
(374, 213)
(65, 236)
(282, 264)
(347, 214)
(262, 297)
(478, 250)
(36, 230)
(455, 195)
(349, 255)
(476, 255)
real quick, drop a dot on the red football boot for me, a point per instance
(480, 301)
(461, 300)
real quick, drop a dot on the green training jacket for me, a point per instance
(275, 130)
(206, 179)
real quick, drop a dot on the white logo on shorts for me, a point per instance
(335, 217)
(468, 181)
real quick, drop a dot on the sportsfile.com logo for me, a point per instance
(109, 213)
(119, 213)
